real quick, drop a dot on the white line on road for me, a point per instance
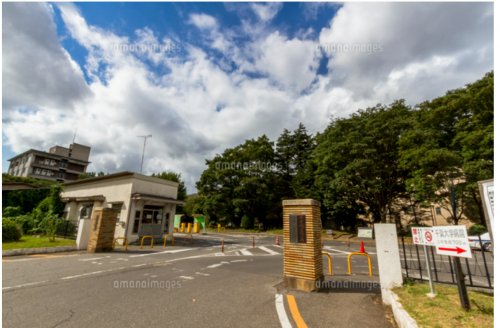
(265, 249)
(245, 251)
(203, 274)
(94, 258)
(236, 261)
(280, 308)
(85, 274)
(186, 277)
(165, 252)
(24, 285)
(217, 265)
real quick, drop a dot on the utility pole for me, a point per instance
(144, 147)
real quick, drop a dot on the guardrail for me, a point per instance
(330, 269)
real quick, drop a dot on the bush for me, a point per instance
(49, 225)
(246, 222)
(26, 222)
(11, 211)
(10, 231)
(477, 229)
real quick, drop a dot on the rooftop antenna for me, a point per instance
(144, 147)
(74, 135)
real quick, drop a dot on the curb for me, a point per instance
(403, 319)
(41, 250)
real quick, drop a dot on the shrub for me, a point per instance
(25, 222)
(246, 222)
(477, 229)
(49, 225)
(11, 211)
(10, 231)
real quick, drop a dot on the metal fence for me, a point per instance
(478, 270)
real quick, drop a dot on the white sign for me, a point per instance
(486, 189)
(422, 236)
(451, 241)
(365, 233)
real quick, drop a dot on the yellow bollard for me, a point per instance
(189, 227)
(165, 240)
(121, 238)
(218, 227)
(150, 237)
(183, 227)
(362, 254)
(330, 268)
(196, 228)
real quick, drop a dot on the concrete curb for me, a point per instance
(403, 319)
(41, 250)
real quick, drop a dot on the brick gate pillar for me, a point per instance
(102, 230)
(302, 261)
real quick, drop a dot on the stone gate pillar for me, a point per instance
(302, 261)
(102, 230)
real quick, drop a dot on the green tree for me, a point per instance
(175, 177)
(357, 162)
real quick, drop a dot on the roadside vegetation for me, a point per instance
(34, 222)
(445, 311)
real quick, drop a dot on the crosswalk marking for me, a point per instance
(265, 249)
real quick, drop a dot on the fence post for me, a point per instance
(484, 260)
(468, 272)
(419, 265)
(451, 269)
(404, 255)
(434, 263)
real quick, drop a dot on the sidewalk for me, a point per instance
(344, 301)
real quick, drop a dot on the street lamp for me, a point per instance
(144, 147)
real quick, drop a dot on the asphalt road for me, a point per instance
(191, 284)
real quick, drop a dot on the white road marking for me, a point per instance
(245, 252)
(95, 258)
(280, 308)
(85, 274)
(139, 265)
(24, 285)
(203, 274)
(265, 249)
(186, 277)
(217, 265)
(236, 261)
(165, 252)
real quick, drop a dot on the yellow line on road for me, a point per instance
(292, 304)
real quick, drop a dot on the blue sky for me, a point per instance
(201, 77)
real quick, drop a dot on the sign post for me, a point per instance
(423, 236)
(487, 191)
(452, 241)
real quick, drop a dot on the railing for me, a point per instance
(478, 270)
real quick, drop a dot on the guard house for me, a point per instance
(146, 205)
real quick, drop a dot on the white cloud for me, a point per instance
(201, 106)
(203, 21)
(266, 12)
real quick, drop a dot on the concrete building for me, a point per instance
(59, 164)
(146, 205)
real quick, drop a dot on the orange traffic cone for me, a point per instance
(362, 247)
(277, 240)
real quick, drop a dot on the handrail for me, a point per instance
(330, 269)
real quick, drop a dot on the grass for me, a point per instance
(445, 310)
(36, 242)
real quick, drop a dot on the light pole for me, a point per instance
(144, 147)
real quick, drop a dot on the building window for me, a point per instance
(137, 219)
(438, 210)
(86, 212)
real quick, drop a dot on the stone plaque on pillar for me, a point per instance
(302, 261)
(102, 230)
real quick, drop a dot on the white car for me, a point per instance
(485, 239)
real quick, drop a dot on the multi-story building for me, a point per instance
(59, 164)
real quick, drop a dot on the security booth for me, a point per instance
(302, 261)
(143, 204)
